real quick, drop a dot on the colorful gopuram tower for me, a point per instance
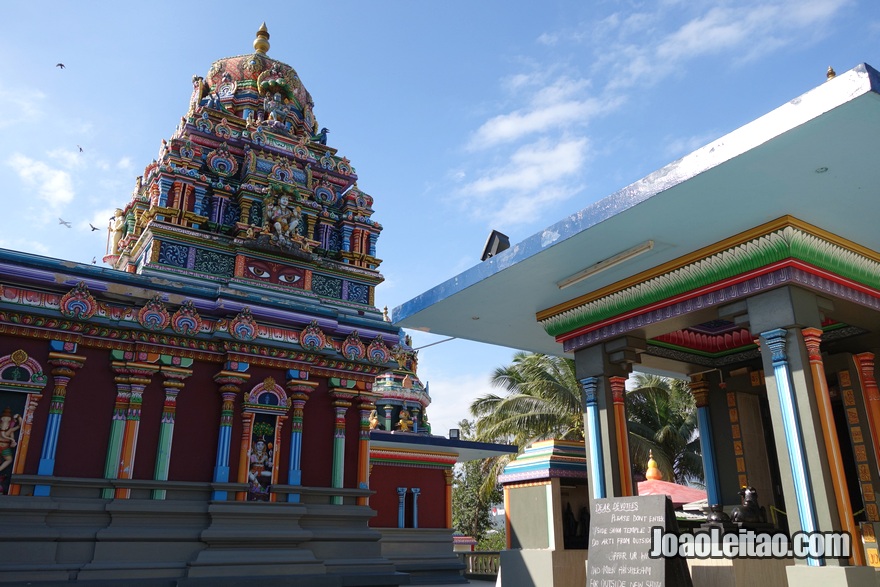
(199, 411)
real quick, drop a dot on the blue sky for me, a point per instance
(459, 116)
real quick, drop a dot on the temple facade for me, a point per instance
(749, 267)
(201, 410)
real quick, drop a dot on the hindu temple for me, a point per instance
(204, 410)
(749, 267)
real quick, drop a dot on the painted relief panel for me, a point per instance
(271, 272)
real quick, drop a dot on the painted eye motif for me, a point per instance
(258, 273)
(288, 278)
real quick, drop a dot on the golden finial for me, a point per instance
(653, 472)
(830, 73)
(261, 43)
(385, 315)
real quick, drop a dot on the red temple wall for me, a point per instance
(385, 479)
(196, 426)
(148, 431)
(352, 433)
(317, 443)
(85, 424)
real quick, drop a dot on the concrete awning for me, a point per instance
(814, 158)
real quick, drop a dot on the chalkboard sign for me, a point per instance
(620, 540)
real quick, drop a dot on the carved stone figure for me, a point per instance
(374, 420)
(117, 227)
(405, 421)
(749, 511)
(9, 425)
(283, 218)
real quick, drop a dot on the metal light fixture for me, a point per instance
(453, 433)
(606, 264)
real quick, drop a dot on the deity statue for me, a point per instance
(275, 108)
(9, 425)
(405, 421)
(283, 218)
(260, 472)
(116, 228)
(374, 420)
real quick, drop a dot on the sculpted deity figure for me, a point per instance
(274, 107)
(374, 420)
(260, 471)
(117, 226)
(283, 218)
(405, 421)
(9, 425)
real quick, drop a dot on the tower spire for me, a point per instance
(261, 43)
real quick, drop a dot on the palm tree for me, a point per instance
(542, 400)
(662, 418)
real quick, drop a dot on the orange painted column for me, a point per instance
(247, 424)
(865, 361)
(366, 406)
(24, 439)
(812, 339)
(139, 378)
(450, 477)
(618, 396)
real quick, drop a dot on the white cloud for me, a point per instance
(19, 106)
(52, 186)
(533, 165)
(23, 244)
(124, 163)
(67, 158)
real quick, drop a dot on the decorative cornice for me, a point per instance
(787, 238)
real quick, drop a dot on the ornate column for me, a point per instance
(865, 361)
(450, 478)
(415, 492)
(401, 507)
(618, 397)
(341, 402)
(700, 390)
(247, 427)
(415, 413)
(117, 426)
(230, 382)
(299, 392)
(776, 342)
(64, 367)
(594, 436)
(388, 417)
(812, 340)
(174, 384)
(139, 378)
(366, 405)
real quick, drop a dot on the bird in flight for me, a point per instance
(93, 227)
(59, 65)
(64, 222)
(80, 148)
(94, 260)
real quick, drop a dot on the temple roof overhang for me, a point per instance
(449, 450)
(806, 169)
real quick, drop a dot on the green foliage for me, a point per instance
(494, 540)
(662, 419)
(471, 505)
(542, 401)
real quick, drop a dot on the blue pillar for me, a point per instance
(707, 446)
(794, 439)
(401, 506)
(594, 437)
(415, 492)
(229, 389)
(700, 390)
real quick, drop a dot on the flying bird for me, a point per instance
(64, 222)
(93, 227)
(80, 148)
(59, 65)
(94, 260)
